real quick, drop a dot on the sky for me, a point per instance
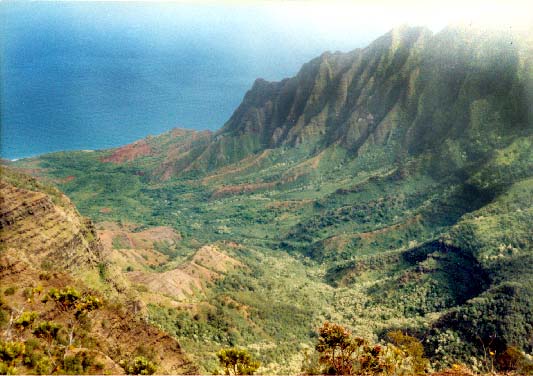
(331, 17)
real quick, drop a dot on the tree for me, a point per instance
(237, 361)
(336, 347)
(412, 347)
(341, 353)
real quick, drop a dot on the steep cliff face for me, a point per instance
(337, 97)
(409, 87)
(45, 228)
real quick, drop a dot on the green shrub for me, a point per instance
(311, 363)
(139, 366)
(31, 359)
(4, 317)
(25, 320)
(6, 369)
(31, 355)
(99, 366)
(30, 292)
(47, 330)
(27, 293)
(43, 366)
(413, 347)
(237, 361)
(70, 298)
(65, 298)
(72, 365)
(87, 304)
(10, 291)
(32, 344)
(9, 351)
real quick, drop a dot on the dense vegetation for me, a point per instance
(32, 343)
(388, 190)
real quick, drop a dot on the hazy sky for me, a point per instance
(333, 16)
(303, 27)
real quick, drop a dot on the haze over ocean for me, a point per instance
(98, 75)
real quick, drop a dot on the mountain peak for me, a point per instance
(409, 90)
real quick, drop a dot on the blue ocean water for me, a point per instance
(80, 76)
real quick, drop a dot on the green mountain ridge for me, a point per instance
(385, 188)
(409, 89)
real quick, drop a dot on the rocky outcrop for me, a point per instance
(44, 231)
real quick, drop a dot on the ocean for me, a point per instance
(85, 76)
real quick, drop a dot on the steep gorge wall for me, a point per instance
(45, 233)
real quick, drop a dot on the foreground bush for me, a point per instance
(342, 353)
(237, 361)
(139, 366)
